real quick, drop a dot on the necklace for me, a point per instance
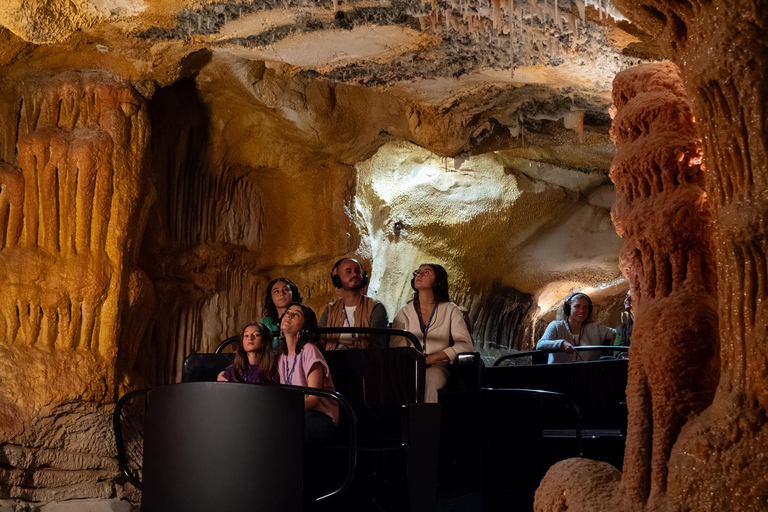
(425, 328)
(289, 374)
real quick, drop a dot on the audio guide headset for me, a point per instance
(337, 280)
(567, 304)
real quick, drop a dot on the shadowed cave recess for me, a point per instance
(161, 161)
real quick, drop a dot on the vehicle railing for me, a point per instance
(122, 460)
(346, 330)
(554, 394)
(582, 348)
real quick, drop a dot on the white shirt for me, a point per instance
(349, 321)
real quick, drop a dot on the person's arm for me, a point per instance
(462, 340)
(379, 320)
(549, 340)
(323, 318)
(314, 380)
(607, 335)
(399, 323)
(222, 378)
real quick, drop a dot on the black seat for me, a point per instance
(204, 367)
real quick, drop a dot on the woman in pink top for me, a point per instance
(301, 363)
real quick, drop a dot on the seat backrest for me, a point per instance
(204, 367)
(597, 387)
(378, 377)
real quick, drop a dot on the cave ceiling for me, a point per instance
(500, 70)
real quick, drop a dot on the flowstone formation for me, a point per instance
(73, 199)
(662, 214)
(718, 461)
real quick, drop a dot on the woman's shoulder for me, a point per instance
(311, 351)
(409, 306)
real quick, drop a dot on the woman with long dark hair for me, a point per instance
(281, 293)
(301, 363)
(437, 323)
(254, 359)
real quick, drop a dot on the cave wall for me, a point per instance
(149, 194)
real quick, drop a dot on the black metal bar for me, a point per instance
(352, 421)
(224, 344)
(375, 330)
(346, 330)
(117, 426)
(562, 396)
(582, 348)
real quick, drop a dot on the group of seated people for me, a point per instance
(286, 347)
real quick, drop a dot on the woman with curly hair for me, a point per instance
(301, 363)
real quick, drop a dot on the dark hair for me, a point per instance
(571, 298)
(439, 285)
(269, 305)
(265, 360)
(308, 333)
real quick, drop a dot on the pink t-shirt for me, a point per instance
(309, 355)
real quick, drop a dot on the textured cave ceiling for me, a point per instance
(432, 53)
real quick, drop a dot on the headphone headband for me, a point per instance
(336, 280)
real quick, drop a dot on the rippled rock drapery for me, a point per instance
(74, 199)
(662, 214)
(718, 462)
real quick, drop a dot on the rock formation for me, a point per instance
(161, 161)
(717, 462)
(662, 214)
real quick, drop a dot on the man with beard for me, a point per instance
(353, 309)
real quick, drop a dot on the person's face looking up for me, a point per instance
(251, 339)
(281, 294)
(424, 278)
(293, 320)
(628, 302)
(579, 309)
(351, 275)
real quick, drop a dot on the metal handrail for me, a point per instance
(118, 428)
(346, 330)
(562, 396)
(581, 348)
(352, 422)
(349, 412)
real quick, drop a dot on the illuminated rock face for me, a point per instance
(718, 461)
(74, 199)
(662, 214)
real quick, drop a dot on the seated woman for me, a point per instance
(577, 329)
(301, 363)
(254, 359)
(436, 322)
(281, 293)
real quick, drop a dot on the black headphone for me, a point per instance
(337, 280)
(567, 304)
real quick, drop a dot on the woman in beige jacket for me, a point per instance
(437, 323)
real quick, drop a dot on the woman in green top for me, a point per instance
(281, 293)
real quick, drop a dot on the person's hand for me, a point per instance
(434, 358)
(221, 378)
(567, 347)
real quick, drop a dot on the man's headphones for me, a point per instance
(337, 280)
(567, 303)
